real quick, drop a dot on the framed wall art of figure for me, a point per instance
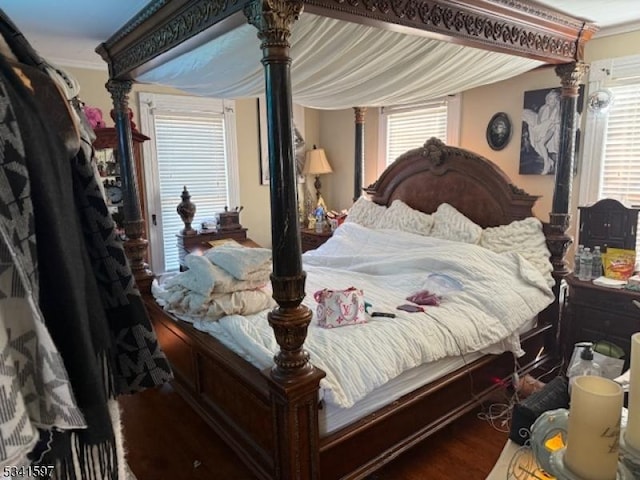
(541, 130)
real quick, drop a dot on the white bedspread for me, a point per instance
(501, 293)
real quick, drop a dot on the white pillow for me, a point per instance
(366, 213)
(450, 224)
(524, 237)
(400, 216)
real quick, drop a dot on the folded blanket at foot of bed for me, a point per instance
(205, 277)
(209, 289)
(181, 300)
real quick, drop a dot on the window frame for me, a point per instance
(183, 104)
(602, 73)
(454, 113)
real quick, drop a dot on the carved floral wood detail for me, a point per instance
(484, 27)
(194, 19)
(493, 24)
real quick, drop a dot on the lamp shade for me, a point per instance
(316, 163)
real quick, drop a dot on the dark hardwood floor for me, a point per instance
(166, 440)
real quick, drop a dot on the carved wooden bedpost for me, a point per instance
(359, 152)
(294, 382)
(558, 240)
(570, 75)
(135, 245)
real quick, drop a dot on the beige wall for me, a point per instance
(613, 46)
(337, 137)
(480, 104)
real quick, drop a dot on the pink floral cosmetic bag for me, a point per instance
(337, 308)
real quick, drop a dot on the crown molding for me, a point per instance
(618, 29)
(77, 63)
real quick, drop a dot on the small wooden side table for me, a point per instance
(188, 243)
(311, 239)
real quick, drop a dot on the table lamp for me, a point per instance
(316, 163)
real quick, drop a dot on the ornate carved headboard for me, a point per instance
(428, 176)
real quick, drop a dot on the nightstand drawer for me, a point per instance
(310, 239)
(606, 321)
(596, 313)
(311, 243)
(616, 301)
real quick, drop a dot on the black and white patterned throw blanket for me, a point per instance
(63, 273)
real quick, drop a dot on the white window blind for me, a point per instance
(621, 159)
(611, 161)
(193, 144)
(190, 152)
(403, 128)
(413, 127)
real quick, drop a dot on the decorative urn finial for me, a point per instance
(186, 209)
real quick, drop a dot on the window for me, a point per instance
(611, 161)
(621, 163)
(407, 127)
(193, 145)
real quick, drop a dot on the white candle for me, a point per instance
(593, 432)
(632, 432)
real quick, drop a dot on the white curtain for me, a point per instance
(337, 64)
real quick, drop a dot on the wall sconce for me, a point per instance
(316, 163)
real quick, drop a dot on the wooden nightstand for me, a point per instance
(312, 239)
(189, 243)
(597, 313)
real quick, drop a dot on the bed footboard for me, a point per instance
(255, 415)
(245, 408)
(228, 393)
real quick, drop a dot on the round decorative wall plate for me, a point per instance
(499, 131)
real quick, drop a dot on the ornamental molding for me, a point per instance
(193, 19)
(504, 28)
(119, 90)
(273, 19)
(512, 26)
(571, 75)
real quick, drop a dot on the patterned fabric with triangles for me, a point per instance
(140, 363)
(34, 387)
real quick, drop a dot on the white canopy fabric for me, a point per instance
(338, 64)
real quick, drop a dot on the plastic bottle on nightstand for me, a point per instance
(586, 366)
(576, 260)
(585, 265)
(596, 263)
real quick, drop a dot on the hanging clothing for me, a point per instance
(36, 392)
(87, 294)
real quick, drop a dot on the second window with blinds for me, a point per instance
(611, 162)
(193, 144)
(403, 128)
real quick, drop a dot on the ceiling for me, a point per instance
(66, 32)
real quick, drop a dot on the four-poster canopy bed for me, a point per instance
(270, 417)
